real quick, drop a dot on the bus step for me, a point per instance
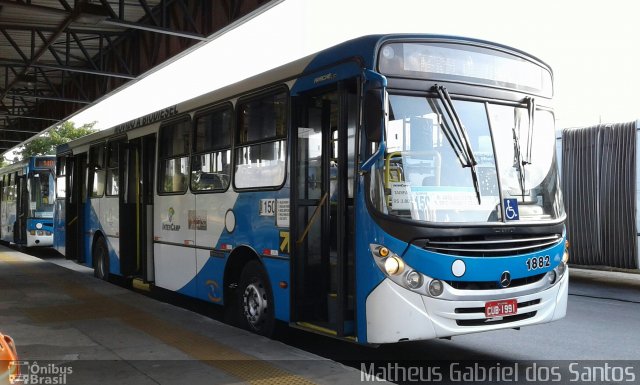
(139, 284)
(315, 328)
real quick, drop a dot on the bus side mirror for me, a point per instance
(373, 115)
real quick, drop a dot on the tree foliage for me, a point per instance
(46, 143)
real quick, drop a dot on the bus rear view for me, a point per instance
(463, 193)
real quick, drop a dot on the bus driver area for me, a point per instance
(71, 328)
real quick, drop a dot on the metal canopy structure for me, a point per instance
(58, 56)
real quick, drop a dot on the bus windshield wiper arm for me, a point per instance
(521, 160)
(531, 109)
(518, 161)
(459, 138)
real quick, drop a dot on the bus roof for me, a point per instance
(362, 48)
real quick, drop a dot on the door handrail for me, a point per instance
(313, 218)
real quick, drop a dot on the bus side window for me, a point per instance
(113, 168)
(211, 162)
(96, 170)
(261, 151)
(173, 156)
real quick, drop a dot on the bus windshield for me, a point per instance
(42, 194)
(423, 179)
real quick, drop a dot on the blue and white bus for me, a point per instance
(391, 188)
(27, 199)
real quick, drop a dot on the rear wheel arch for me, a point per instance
(248, 293)
(239, 257)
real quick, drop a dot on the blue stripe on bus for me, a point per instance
(480, 269)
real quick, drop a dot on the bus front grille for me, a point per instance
(491, 246)
(493, 285)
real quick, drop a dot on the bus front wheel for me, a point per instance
(101, 259)
(256, 300)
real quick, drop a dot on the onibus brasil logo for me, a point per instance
(27, 372)
(33, 373)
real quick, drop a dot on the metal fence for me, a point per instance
(599, 183)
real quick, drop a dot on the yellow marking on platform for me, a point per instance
(94, 305)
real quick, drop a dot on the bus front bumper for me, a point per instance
(39, 240)
(397, 314)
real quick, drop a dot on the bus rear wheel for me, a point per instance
(256, 300)
(101, 259)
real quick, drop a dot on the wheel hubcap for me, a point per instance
(255, 304)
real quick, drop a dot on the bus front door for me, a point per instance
(322, 175)
(137, 165)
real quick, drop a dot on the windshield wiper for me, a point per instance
(531, 109)
(521, 160)
(459, 138)
(518, 161)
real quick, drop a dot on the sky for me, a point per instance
(593, 48)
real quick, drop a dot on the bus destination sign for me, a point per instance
(45, 163)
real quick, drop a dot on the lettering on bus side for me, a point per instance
(147, 119)
(170, 227)
(325, 77)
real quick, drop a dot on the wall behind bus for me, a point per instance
(600, 187)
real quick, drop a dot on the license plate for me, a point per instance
(501, 308)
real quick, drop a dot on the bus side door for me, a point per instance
(323, 186)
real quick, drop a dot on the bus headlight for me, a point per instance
(565, 256)
(397, 270)
(560, 269)
(393, 265)
(436, 287)
(551, 277)
(562, 266)
(414, 279)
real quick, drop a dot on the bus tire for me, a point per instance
(101, 259)
(256, 306)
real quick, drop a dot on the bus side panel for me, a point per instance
(368, 275)
(208, 220)
(91, 226)
(278, 271)
(175, 268)
(110, 223)
(199, 272)
(174, 250)
(261, 233)
(3, 214)
(59, 236)
(210, 276)
(8, 221)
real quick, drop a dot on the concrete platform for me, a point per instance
(71, 328)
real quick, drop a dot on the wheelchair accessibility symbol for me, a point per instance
(511, 209)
